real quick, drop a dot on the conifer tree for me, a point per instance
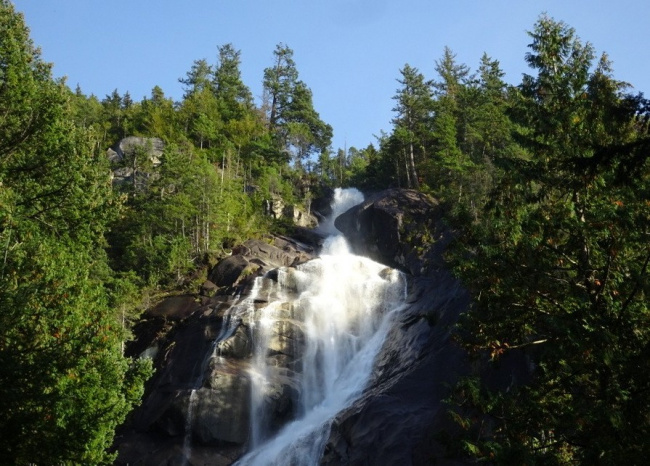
(234, 97)
(560, 269)
(414, 112)
(64, 384)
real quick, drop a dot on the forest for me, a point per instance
(546, 184)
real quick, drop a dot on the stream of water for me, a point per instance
(343, 305)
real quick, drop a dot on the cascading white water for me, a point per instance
(344, 199)
(187, 440)
(343, 305)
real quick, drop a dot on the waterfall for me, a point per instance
(341, 306)
(343, 200)
(187, 440)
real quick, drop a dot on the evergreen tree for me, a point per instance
(292, 119)
(306, 132)
(198, 79)
(279, 82)
(114, 121)
(234, 97)
(158, 117)
(450, 165)
(414, 110)
(65, 385)
(560, 269)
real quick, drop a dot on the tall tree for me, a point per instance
(200, 109)
(560, 269)
(292, 118)
(198, 79)
(279, 81)
(234, 97)
(306, 132)
(414, 111)
(64, 383)
(451, 165)
(159, 118)
(114, 117)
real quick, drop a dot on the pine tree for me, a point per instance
(560, 269)
(65, 385)
(414, 112)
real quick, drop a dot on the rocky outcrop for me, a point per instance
(152, 148)
(123, 154)
(275, 207)
(254, 258)
(214, 390)
(399, 417)
(397, 227)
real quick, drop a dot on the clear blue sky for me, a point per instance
(349, 52)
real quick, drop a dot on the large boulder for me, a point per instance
(254, 258)
(401, 417)
(229, 270)
(125, 149)
(398, 227)
(152, 147)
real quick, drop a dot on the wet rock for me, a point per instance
(183, 330)
(400, 416)
(238, 346)
(222, 411)
(396, 419)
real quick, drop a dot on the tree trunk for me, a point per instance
(408, 172)
(414, 175)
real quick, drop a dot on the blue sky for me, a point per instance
(349, 52)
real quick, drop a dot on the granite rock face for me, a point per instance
(209, 383)
(122, 157)
(401, 228)
(399, 416)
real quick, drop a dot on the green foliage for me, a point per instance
(446, 135)
(235, 99)
(65, 384)
(292, 119)
(559, 266)
(548, 183)
(158, 118)
(220, 167)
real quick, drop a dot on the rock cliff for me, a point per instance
(399, 416)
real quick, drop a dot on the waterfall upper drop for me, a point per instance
(341, 306)
(343, 200)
